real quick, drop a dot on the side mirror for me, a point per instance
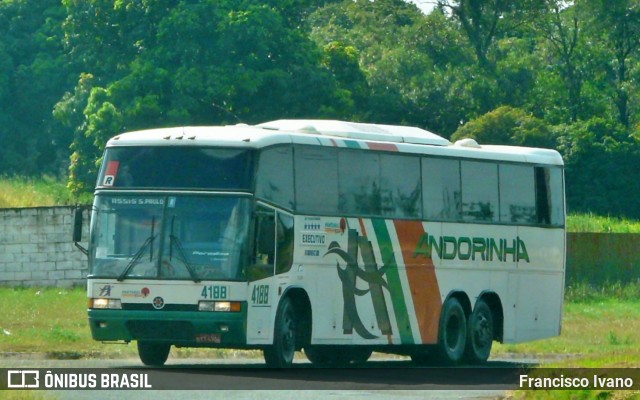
(77, 229)
(77, 225)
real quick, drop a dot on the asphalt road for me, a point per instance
(380, 378)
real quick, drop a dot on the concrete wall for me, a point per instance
(36, 248)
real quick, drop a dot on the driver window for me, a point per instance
(265, 245)
(284, 243)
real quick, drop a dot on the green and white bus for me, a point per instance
(331, 237)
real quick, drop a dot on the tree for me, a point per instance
(486, 21)
(560, 25)
(601, 167)
(508, 126)
(198, 63)
(617, 25)
(33, 75)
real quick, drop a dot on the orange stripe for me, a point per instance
(423, 282)
(382, 146)
(363, 231)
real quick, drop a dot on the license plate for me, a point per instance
(208, 338)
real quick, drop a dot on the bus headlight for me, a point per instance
(105, 304)
(220, 306)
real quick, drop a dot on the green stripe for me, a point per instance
(393, 279)
(352, 144)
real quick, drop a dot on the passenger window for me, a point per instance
(316, 171)
(401, 193)
(359, 183)
(517, 194)
(549, 196)
(480, 191)
(275, 176)
(441, 189)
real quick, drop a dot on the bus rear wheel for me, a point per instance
(480, 335)
(153, 354)
(280, 354)
(452, 335)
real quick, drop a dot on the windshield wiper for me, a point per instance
(192, 272)
(136, 258)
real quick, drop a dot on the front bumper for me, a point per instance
(186, 328)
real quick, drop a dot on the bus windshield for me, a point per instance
(187, 167)
(169, 237)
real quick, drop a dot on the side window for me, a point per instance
(359, 182)
(262, 265)
(549, 196)
(517, 194)
(400, 180)
(479, 191)
(441, 189)
(284, 243)
(316, 171)
(557, 196)
(275, 177)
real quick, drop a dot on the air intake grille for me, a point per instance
(165, 330)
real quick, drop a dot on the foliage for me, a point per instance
(210, 62)
(601, 168)
(508, 126)
(557, 74)
(33, 75)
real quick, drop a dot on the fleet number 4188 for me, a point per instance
(260, 294)
(214, 292)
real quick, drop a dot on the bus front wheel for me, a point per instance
(452, 334)
(480, 335)
(280, 354)
(153, 354)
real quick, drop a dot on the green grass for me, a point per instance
(35, 192)
(584, 292)
(603, 224)
(593, 333)
(54, 321)
(598, 331)
(24, 395)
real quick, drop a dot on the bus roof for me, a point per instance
(333, 133)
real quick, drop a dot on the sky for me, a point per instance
(425, 5)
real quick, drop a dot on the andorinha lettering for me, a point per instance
(476, 248)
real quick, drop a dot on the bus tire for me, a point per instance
(280, 354)
(153, 354)
(318, 355)
(480, 333)
(452, 335)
